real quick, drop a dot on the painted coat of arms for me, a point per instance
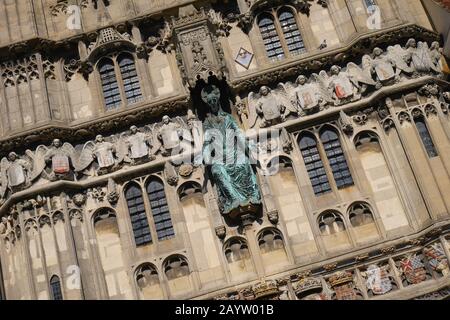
(378, 280)
(436, 258)
(413, 269)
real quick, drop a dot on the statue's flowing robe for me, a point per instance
(229, 166)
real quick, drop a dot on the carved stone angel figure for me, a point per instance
(400, 58)
(101, 151)
(419, 55)
(363, 75)
(15, 173)
(172, 136)
(342, 86)
(59, 159)
(383, 68)
(310, 97)
(139, 145)
(436, 57)
(272, 106)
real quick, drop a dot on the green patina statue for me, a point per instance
(224, 152)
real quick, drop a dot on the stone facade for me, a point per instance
(101, 102)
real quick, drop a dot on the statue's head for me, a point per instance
(377, 52)
(56, 143)
(411, 43)
(435, 45)
(133, 129)
(99, 138)
(166, 119)
(389, 103)
(211, 96)
(301, 80)
(12, 156)
(335, 70)
(264, 91)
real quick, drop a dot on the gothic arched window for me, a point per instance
(336, 158)
(120, 81)
(314, 165)
(281, 34)
(110, 86)
(425, 137)
(55, 285)
(291, 33)
(270, 37)
(160, 209)
(138, 216)
(132, 88)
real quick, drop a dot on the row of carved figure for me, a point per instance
(320, 91)
(62, 161)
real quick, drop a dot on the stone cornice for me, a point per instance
(356, 47)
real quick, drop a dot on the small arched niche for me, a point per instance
(238, 257)
(363, 223)
(272, 248)
(333, 231)
(178, 274)
(148, 283)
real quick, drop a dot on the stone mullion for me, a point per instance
(26, 255)
(120, 84)
(149, 214)
(250, 235)
(280, 33)
(70, 240)
(4, 109)
(44, 258)
(16, 91)
(58, 258)
(32, 100)
(44, 92)
(64, 88)
(327, 166)
(93, 252)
